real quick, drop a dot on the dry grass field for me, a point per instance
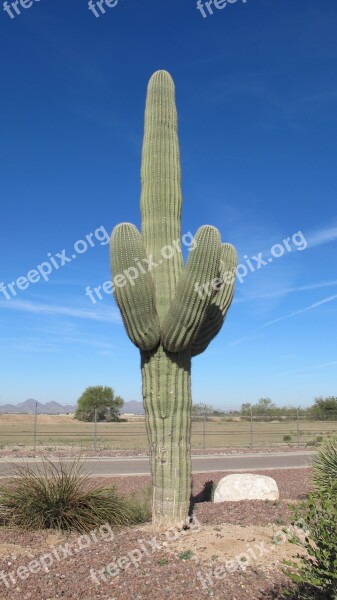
(64, 430)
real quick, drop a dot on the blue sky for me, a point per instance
(256, 94)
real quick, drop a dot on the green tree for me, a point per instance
(246, 408)
(325, 408)
(265, 406)
(103, 400)
(201, 409)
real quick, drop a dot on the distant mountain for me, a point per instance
(54, 408)
(50, 408)
(133, 407)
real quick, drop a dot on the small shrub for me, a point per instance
(287, 438)
(140, 507)
(315, 573)
(186, 555)
(60, 497)
(311, 443)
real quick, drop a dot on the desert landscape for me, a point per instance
(58, 431)
(168, 399)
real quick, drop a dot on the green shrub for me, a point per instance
(287, 438)
(325, 465)
(186, 555)
(311, 443)
(60, 497)
(315, 572)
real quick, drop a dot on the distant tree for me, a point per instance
(325, 408)
(246, 408)
(265, 406)
(201, 409)
(103, 400)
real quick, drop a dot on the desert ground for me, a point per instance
(235, 551)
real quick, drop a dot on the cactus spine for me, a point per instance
(164, 315)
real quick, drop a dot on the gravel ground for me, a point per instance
(155, 574)
(292, 483)
(196, 564)
(66, 451)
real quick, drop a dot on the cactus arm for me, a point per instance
(161, 197)
(133, 286)
(189, 306)
(217, 309)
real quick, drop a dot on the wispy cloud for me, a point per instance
(247, 338)
(301, 311)
(56, 343)
(280, 292)
(311, 368)
(111, 315)
(253, 334)
(321, 236)
(30, 345)
(90, 341)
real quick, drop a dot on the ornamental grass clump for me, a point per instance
(60, 496)
(325, 465)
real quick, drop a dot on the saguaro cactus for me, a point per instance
(171, 312)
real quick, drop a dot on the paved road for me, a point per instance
(201, 464)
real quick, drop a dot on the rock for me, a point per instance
(246, 486)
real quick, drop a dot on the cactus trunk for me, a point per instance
(167, 401)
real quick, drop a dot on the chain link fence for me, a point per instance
(231, 430)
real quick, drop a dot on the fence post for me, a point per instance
(35, 426)
(251, 428)
(95, 428)
(298, 428)
(204, 430)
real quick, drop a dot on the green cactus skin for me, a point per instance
(167, 401)
(163, 313)
(188, 308)
(136, 300)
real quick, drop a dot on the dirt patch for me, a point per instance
(43, 419)
(13, 551)
(163, 569)
(250, 546)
